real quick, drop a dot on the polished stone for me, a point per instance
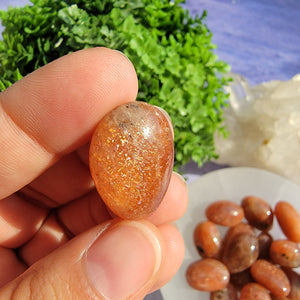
(131, 159)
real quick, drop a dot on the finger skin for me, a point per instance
(91, 211)
(50, 237)
(54, 110)
(44, 118)
(66, 180)
(174, 203)
(175, 254)
(19, 221)
(63, 275)
(10, 266)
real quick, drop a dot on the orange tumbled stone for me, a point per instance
(131, 159)
(271, 276)
(207, 274)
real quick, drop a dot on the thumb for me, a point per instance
(115, 260)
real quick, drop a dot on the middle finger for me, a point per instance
(89, 210)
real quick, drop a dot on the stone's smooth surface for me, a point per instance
(207, 274)
(258, 212)
(289, 220)
(271, 277)
(285, 253)
(240, 249)
(241, 252)
(207, 239)
(253, 291)
(225, 213)
(131, 159)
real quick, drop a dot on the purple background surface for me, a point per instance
(260, 39)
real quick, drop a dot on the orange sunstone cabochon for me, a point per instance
(131, 159)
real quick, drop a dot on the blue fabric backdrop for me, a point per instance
(260, 39)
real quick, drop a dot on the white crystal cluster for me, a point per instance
(264, 126)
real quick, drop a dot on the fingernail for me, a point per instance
(122, 260)
(180, 177)
(122, 53)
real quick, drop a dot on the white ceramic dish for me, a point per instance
(232, 184)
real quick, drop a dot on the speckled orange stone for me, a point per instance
(131, 159)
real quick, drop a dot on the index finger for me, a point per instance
(55, 109)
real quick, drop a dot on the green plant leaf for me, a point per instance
(172, 53)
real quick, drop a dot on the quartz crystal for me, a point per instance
(131, 159)
(264, 127)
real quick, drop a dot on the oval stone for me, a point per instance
(131, 159)
(225, 213)
(207, 274)
(271, 276)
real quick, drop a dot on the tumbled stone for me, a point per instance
(241, 252)
(207, 274)
(131, 159)
(272, 277)
(224, 212)
(240, 248)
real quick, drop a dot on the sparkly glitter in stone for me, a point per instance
(131, 159)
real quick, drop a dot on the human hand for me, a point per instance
(57, 239)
